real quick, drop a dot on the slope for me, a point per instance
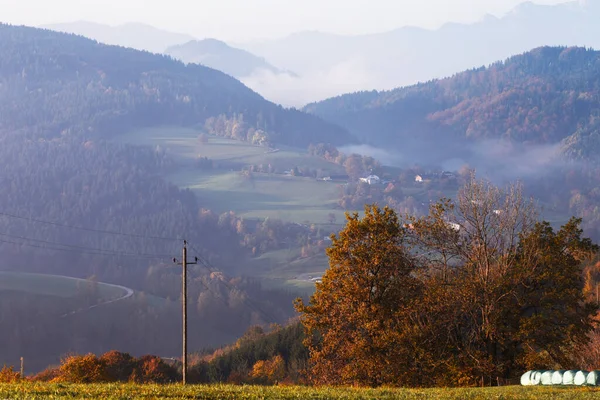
(547, 97)
(135, 35)
(54, 83)
(218, 55)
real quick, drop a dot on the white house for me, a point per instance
(419, 179)
(454, 226)
(371, 180)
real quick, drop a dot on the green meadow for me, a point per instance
(222, 392)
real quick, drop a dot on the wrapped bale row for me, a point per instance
(571, 377)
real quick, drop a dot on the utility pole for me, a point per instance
(22, 369)
(184, 263)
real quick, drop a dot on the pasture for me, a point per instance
(283, 268)
(28, 390)
(52, 285)
(222, 189)
(184, 144)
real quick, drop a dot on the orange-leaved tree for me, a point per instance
(358, 322)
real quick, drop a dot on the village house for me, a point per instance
(371, 180)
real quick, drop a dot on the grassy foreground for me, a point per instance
(129, 391)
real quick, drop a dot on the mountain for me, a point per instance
(330, 64)
(545, 99)
(57, 83)
(135, 35)
(218, 55)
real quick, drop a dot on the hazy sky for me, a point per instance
(241, 20)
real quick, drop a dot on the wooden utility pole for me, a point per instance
(184, 263)
(22, 369)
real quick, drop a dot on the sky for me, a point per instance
(245, 20)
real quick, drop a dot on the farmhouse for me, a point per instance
(371, 180)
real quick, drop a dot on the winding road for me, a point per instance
(128, 294)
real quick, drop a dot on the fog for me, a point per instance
(496, 160)
(296, 91)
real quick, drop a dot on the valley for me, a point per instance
(112, 157)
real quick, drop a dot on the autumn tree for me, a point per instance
(502, 290)
(270, 371)
(82, 369)
(354, 166)
(118, 366)
(357, 322)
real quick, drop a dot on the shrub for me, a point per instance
(49, 374)
(82, 369)
(118, 366)
(8, 375)
(152, 369)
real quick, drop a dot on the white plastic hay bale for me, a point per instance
(569, 377)
(526, 378)
(557, 377)
(593, 378)
(546, 378)
(580, 378)
(536, 377)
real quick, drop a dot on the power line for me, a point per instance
(88, 229)
(99, 250)
(81, 251)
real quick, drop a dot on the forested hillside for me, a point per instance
(548, 96)
(76, 204)
(58, 84)
(93, 210)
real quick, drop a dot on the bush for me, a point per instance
(82, 369)
(118, 366)
(152, 369)
(269, 372)
(8, 375)
(49, 374)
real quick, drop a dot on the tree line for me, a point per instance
(478, 289)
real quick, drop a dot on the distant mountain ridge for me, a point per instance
(216, 54)
(135, 35)
(410, 55)
(547, 97)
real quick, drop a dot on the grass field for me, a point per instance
(183, 143)
(52, 285)
(281, 268)
(278, 196)
(287, 198)
(116, 391)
